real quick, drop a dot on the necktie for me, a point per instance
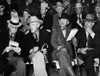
(36, 37)
(12, 37)
(88, 40)
(80, 19)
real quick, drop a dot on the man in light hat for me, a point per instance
(59, 9)
(47, 18)
(13, 35)
(78, 16)
(38, 38)
(88, 44)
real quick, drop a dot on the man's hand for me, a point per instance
(48, 30)
(82, 50)
(31, 56)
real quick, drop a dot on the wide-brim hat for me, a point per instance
(58, 4)
(33, 19)
(78, 5)
(14, 22)
(90, 18)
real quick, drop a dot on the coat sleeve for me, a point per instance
(54, 41)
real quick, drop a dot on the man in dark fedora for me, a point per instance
(62, 48)
(10, 53)
(59, 7)
(88, 44)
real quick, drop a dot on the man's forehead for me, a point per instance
(34, 23)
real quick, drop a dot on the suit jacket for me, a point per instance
(96, 29)
(57, 39)
(74, 20)
(93, 42)
(55, 21)
(19, 37)
(82, 38)
(47, 21)
(43, 38)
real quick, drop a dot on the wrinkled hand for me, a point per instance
(31, 56)
(48, 30)
(35, 49)
(82, 50)
(7, 49)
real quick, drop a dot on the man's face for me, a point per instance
(14, 14)
(12, 29)
(25, 14)
(59, 9)
(97, 10)
(89, 24)
(63, 22)
(43, 11)
(78, 10)
(34, 26)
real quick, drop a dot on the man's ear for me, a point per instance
(38, 25)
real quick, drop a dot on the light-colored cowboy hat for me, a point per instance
(14, 22)
(58, 4)
(33, 19)
(90, 18)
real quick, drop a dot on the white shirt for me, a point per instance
(63, 32)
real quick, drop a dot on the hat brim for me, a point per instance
(88, 20)
(57, 6)
(40, 21)
(8, 21)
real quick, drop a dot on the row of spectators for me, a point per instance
(43, 26)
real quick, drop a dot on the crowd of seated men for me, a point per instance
(41, 33)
